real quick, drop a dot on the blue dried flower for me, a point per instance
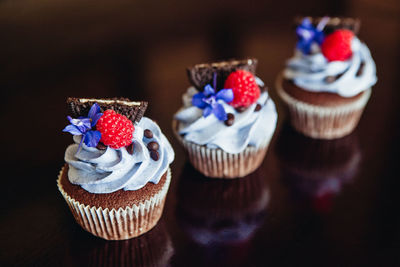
(83, 126)
(208, 101)
(308, 34)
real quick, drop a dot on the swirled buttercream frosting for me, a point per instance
(109, 170)
(312, 72)
(252, 127)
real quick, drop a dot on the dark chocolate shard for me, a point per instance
(334, 23)
(202, 74)
(131, 109)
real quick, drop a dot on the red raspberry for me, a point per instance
(244, 87)
(337, 45)
(116, 130)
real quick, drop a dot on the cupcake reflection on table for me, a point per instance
(316, 171)
(231, 213)
(154, 248)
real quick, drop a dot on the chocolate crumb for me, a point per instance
(148, 133)
(330, 79)
(258, 107)
(229, 121)
(153, 146)
(154, 155)
(240, 109)
(101, 146)
(360, 69)
(129, 148)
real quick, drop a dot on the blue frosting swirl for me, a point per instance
(106, 171)
(310, 72)
(250, 128)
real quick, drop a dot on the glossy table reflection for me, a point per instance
(315, 171)
(221, 216)
(155, 248)
(306, 204)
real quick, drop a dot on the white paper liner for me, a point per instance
(216, 163)
(120, 224)
(323, 122)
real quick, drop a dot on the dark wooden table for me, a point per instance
(322, 203)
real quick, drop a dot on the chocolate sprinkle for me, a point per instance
(129, 148)
(202, 74)
(154, 155)
(330, 79)
(258, 107)
(360, 69)
(148, 133)
(240, 109)
(132, 112)
(230, 120)
(101, 146)
(153, 146)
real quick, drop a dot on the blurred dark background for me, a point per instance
(50, 50)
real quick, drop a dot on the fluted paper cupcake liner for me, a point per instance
(124, 223)
(216, 163)
(323, 122)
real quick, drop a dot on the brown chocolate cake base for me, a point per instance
(317, 98)
(119, 215)
(115, 200)
(321, 115)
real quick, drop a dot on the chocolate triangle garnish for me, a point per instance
(334, 23)
(202, 74)
(133, 110)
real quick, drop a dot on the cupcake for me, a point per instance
(227, 119)
(116, 176)
(315, 171)
(327, 83)
(230, 214)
